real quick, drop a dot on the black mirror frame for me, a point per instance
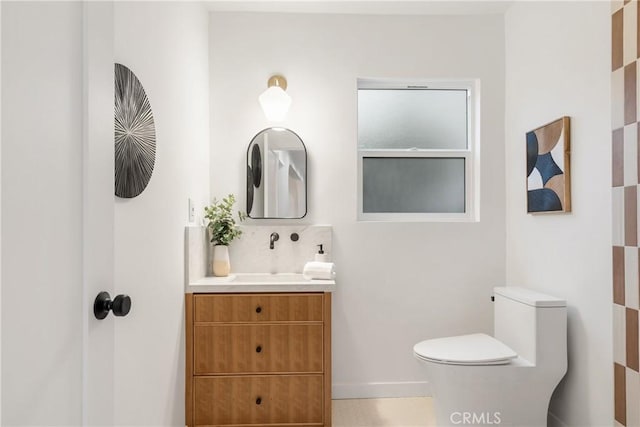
(306, 165)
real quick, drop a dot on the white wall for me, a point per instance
(558, 63)
(41, 213)
(165, 45)
(398, 283)
(0, 216)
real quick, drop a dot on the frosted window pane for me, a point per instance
(421, 118)
(413, 185)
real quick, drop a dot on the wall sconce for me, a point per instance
(274, 101)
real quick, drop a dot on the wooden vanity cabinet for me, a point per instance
(261, 359)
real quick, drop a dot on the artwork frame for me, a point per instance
(548, 163)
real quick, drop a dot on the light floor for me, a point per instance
(397, 412)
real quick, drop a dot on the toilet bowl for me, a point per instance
(507, 379)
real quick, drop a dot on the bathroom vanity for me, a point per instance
(258, 359)
(258, 345)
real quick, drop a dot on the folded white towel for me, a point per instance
(319, 270)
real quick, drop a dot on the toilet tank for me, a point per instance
(533, 324)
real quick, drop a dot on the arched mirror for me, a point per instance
(276, 175)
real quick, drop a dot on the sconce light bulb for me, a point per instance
(275, 103)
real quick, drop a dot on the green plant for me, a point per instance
(221, 225)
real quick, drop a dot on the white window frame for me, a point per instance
(471, 154)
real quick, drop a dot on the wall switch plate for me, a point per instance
(192, 210)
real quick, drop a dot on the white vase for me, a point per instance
(221, 264)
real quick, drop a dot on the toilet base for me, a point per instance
(515, 396)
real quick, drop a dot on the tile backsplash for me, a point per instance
(251, 254)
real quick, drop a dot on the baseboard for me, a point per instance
(554, 421)
(377, 390)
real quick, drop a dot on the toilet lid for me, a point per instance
(474, 349)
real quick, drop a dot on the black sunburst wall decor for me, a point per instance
(135, 134)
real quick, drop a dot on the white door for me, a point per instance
(57, 212)
(98, 212)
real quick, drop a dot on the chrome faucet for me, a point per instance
(272, 239)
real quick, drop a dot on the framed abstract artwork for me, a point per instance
(548, 168)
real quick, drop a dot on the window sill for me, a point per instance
(417, 217)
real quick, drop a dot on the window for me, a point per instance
(417, 147)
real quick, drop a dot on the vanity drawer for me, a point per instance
(257, 348)
(258, 400)
(258, 307)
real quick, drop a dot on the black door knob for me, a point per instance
(121, 305)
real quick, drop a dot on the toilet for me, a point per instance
(507, 379)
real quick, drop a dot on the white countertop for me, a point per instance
(259, 282)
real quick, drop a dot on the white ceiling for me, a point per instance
(376, 7)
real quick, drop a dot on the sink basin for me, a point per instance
(269, 278)
(260, 282)
(253, 278)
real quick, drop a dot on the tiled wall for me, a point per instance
(626, 300)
